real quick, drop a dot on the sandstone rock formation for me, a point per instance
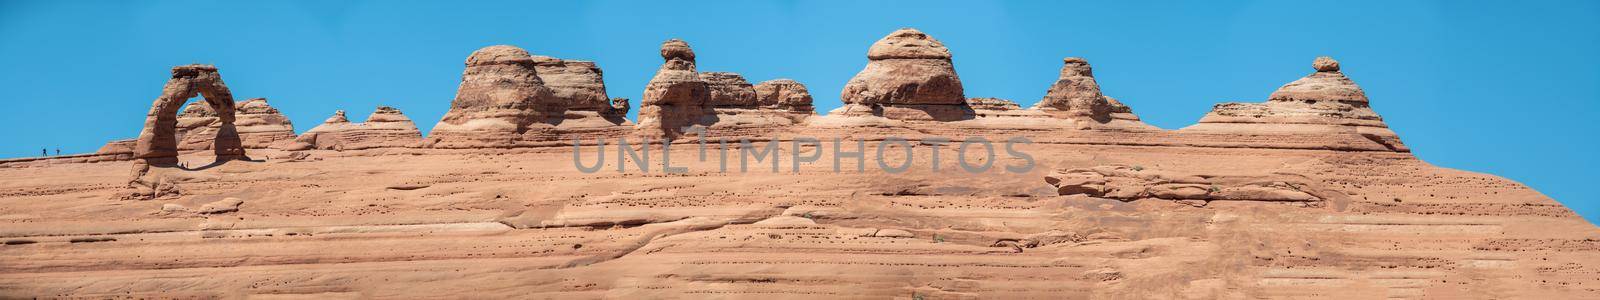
(195, 129)
(1129, 183)
(157, 145)
(784, 93)
(122, 148)
(908, 75)
(581, 88)
(906, 67)
(1076, 95)
(728, 89)
(259, 125)
(738, 104)
(226, 205)
(387, 127)
(501, 97)
(677, 97)
(1301, 197)
(992, 104)
(158, 139)
(1323, 103)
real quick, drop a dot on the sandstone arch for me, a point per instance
(157, 143)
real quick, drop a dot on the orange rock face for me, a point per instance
(1305, 196)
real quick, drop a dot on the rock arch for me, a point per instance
(157, 143)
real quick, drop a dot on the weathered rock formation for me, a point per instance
(501, 97)
(677, 97)
(728, 89)
(387, 127)
(195, 129)
(581, 88)
(909, 75)
(738, 104)
(1323, 103)
(259, 125)
(1076, 95)
(906, 67)
(784, 93)
(992, 104)
(1129, 183)
(158, 140)
(1301, 197)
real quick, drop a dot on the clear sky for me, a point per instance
(1509, 88)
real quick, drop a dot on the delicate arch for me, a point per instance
(158, 142)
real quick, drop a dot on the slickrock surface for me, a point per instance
(1323, 103)
(527, 224)
(909, 80)
(387, 127)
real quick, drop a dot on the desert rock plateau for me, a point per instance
(520, 191)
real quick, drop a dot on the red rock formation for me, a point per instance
(1128, 183)
(1321, 104)
(906, 67)
(738, 104)
(387, 127)
(784, 93)
(158, 140)
(501, 97)
(1302, 196)
(259, 125)
(908, 76)
(728, 89)
(581, 88)
(677, 97)
(1076, 96)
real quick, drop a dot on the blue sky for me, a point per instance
(1508, 88)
